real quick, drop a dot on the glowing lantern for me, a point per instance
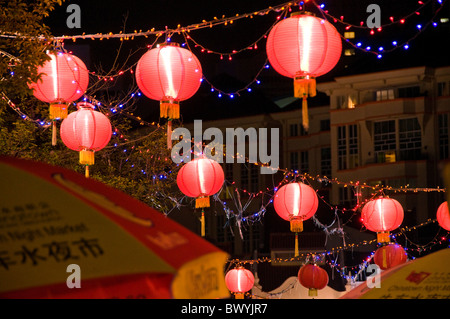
(303, 47)
(169, 74)
(382, 215)
(312, 277)
(296, 202)
(443, 216)
(239, 281)
(86, 131)
(64, 79)
(200, 178)
(389, 256)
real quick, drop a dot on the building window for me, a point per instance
(325, 161)
(443, 136)
(304, 162)
(441, 86)
(410, 139)
(325, 125)
(384, 141)
(293, 130)
(293, 160)
(410, 91)
(348, 148)
(387, 94)
(342, 148)
(250, 178)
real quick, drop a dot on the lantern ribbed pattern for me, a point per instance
(443, 216)
(86, 131)
(303, 47)
(382, 215)
(169, 74)
(239, 281)
(65, 80)
(312, 277)
(296, 202)
(200, 178)
(389, 256)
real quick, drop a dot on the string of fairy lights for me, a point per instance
(123, 107)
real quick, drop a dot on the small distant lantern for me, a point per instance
(239, 280)
(86, 131)
(313, 277)
(296, 202)
(200, 178)
(443, 216)
(64, 79)
(382, 215)
(169, 74)
(389, 256)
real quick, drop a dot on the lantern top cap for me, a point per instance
(165, 44)
(304, 13)
(85, 105)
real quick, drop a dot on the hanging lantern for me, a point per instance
(303, 47)
(443, 216)
(312, 277)
(389, 256)
(200, 178)
(169, 74)
(296, 202)
(86, 131)
(382, 215)
(64, 79)
(239, 281)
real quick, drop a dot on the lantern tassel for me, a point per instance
(86, 171)
(238, 296)
(296, 245)
(54, 131)
(312, 292)
(169, 134)
(203, 223)
(305, 115)
(169, 108)
(202, 202)
(384, 260)
(383, 237)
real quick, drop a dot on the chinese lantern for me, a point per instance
(86, 131)
(389, 256)
(169, 74)
(296, 202)
(238, 281)
(443, 216)
(64, 79)
(312, 277)
(200, 178)
(303, 47)
(382, 215)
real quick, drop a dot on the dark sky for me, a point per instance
(427, 47)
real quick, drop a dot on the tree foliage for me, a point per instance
(135, 161)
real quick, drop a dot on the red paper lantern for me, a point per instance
(200, 178)
(169, 74)
(312, 277)
(296, 202)
(389, 256)
(86, 131)
(239, 281)
(303, 47)
(64, 79)
(443, 216)
(382, 215)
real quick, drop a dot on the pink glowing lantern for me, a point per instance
(239, 281)
(443, 216)
(86, 131)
